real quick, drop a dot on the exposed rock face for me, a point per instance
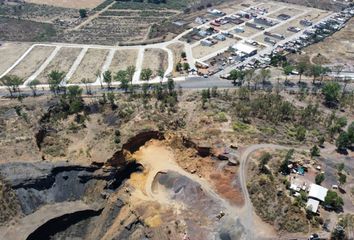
(132, 145)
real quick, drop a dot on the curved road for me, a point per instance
(248, 208)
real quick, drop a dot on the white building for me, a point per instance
(318, 192)
(316, 195)
(246, 49)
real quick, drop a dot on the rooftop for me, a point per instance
(317, 192)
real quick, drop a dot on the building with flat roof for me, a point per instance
(246, 49)
(312, 205)
(318, 192)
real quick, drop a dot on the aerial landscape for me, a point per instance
(176, 119)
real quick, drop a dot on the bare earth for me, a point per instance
(61, 62)
(155, 59)
(202, 51)
(177, 50)
(123, 59)
(32, 61)
(9, 53)
(92, 62)
(68, 3)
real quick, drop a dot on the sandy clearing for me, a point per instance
(32, 61)
(68, 3)
(288, 11)
(123, 59)
(270, 6)
(10, 52)
(202, 51)
(62, 62)
(92, 62)
(155, 59)
(248, 31)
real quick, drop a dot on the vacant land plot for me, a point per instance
(248, 32)
(32, 62)
(177, 49)
(288, 11)
(316, 15)
(271, 6)
(283, 29)
(9, 53)
(123, 59)
(155, 59)
(61, 62)
(202, 51)
(92, 62)
(68, 3)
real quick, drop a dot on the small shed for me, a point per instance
(312, 205)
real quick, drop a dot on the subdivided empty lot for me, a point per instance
(202, 51)
(68, 3)
(177, 49)
(123, 59)
(61, 62)
(155, 59)
(291, 11)
(9, 53)
(90, 64)
(32, 61)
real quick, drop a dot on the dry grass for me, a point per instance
(202, 51)
(92, 62)
(61, 62)
(155, 59)
(123, 59)
(9, 53)
(177, 49)
(68, 4)
(32, 61)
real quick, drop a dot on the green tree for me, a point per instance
(33, 86)
(83, 13)
(185, 66)
(315, 71)
(170, 85)
(111, 98)
(161, 73)
(331, 92)
(332, 199)
(122, 77)
(342, 142)
(107, 78)
(284, 169)
(130, 72)
(315, 151)
(183, 55)
(301, 67)
(342, 178)
(300, 133)
(75, 100)
(178, 67)
(234, 74)
(12, 83)
(321, 141)
(319, 178)
(287, 69)
(263, 161)
(351, 132)
(55, 78)
(146, 74)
